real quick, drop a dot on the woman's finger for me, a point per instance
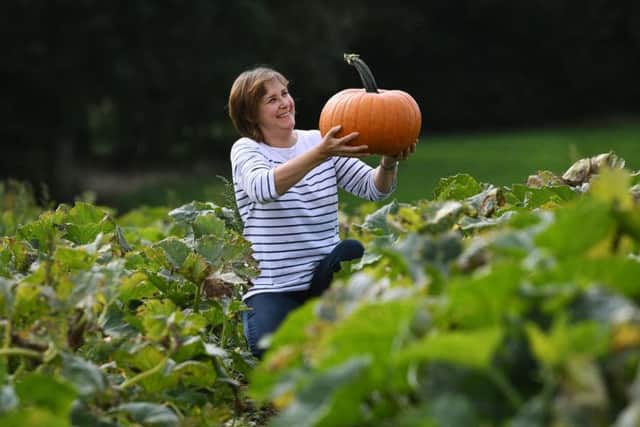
(348, 138)
(355, 148)
(333, 131)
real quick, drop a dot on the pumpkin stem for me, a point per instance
(364, 71)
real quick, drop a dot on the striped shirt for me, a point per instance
(291, 232)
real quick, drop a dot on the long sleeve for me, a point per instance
(357, 177)
(252, 172)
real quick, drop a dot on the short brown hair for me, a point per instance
(245, 96)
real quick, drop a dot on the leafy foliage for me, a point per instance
(105, 321)
(487, 305)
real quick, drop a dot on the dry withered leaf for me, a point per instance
(582, 170)
(214, 287)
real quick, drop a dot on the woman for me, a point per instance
(286, 187)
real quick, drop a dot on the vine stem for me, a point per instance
(142, 375)
(6, 342)
(507, 389)
(15, 351)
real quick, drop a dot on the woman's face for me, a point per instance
(276, 110)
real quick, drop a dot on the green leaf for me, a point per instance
(34, 417)
(564, 340)
(441, 216)
(533, 198)
(174, 286)
(486, 299)
(136, 286)
(577, 228)
(46, 392)
(313, 402)
(189, 212)
(211, 248)
(41, 233)
(611, 186)
(372, 329)
(468, 348)
(208, 224)
(74, 259)
(143, 358)
(377, 221)
(194, 373)
(156, 315)
(616, 273)
(8, 398)
(195, 267)
(176, 251)
(121, 240)
(145, 216)
(148, 414)
(456, 187)
(85, 213)
(84, 375)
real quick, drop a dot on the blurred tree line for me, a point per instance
(129, 84)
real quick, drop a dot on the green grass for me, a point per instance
(172, 193)
(500, 158)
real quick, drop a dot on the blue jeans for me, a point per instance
(268, 310)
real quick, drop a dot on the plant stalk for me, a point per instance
(15, 351)
(142, 375)
(511, 394)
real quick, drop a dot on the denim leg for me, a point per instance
(268, 310)
(346, 250)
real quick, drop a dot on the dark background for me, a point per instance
(142, 85)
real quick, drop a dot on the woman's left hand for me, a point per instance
(404, 155)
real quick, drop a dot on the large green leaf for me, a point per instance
(189, 212)
(533, 198)
(41, 233)
(33, 417)
(376, 329)
(148, 414)
(84, 375)
(468, 348)
(176, 251)
(486, 299)
(456, 187)
(578, 227)
(377, 221)
(565, 341)
(208, 224)
(313, 402)
(46, 392)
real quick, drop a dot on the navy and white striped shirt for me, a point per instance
(290, 233)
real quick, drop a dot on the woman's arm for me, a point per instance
(292, 171)
(385, 174)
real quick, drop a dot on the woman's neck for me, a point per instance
(281, 139)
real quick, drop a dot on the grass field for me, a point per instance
(500, 158)
(508, 157)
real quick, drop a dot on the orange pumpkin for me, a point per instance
(388, 120)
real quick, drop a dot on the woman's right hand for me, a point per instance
(333, 146)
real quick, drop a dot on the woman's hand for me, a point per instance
(389, 162)
(332, 146)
